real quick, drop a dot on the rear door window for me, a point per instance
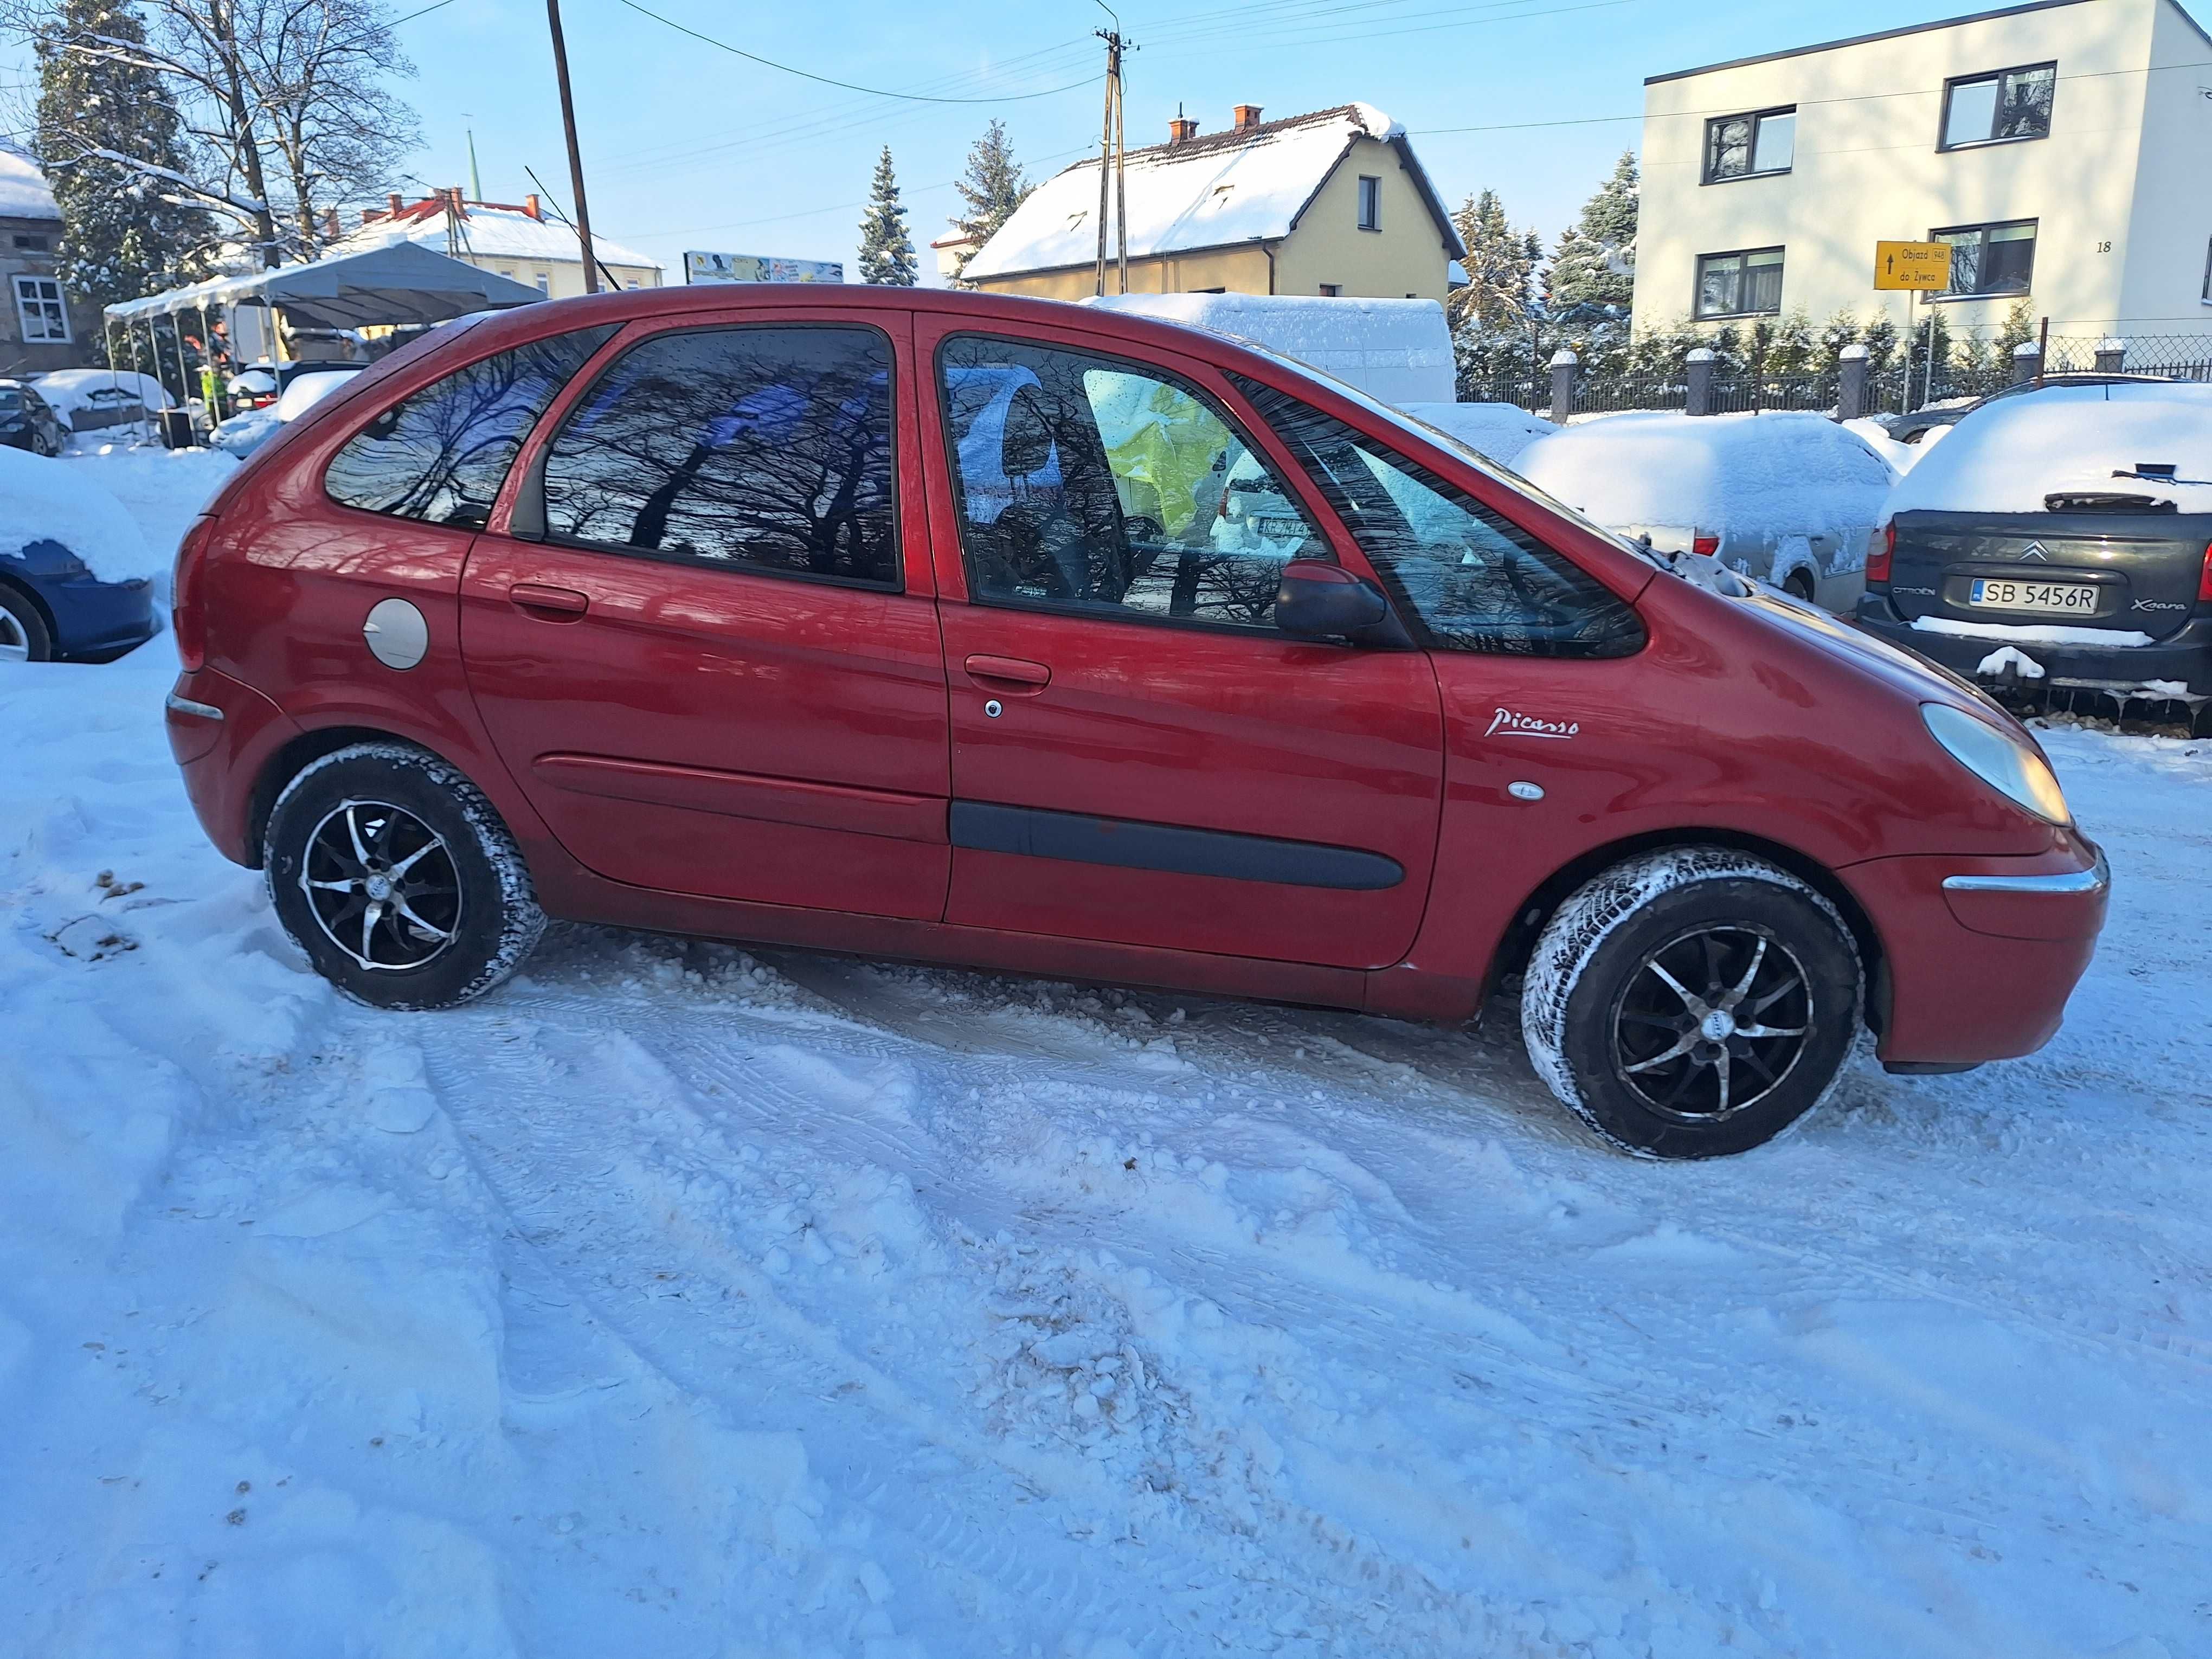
(441, 454)
(762, 448)
(1097, 485)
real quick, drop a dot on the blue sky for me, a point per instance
(689, 147)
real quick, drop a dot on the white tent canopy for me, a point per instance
(397, 283)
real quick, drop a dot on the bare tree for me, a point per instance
(319, 70)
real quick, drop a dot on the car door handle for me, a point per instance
(1010, 673)
(549, 604)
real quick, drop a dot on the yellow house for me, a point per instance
(1333, 203)
(515, 240)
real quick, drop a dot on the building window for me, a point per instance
(1371, 203)
(544, 283)
(1750, 146)
(31, 244)
(1742, 284)
(1988, 259)
(42, 311)
(1996, 109)
(1331, 290)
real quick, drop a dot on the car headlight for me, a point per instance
(2009, 765)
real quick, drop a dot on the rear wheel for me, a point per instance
(1799, 585)
(1691, 1003)
(397, 878)
(23, 636)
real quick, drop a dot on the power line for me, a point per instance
(827, 81)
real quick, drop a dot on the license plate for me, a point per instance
(2053, 599)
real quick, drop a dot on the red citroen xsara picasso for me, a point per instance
(1019, 635)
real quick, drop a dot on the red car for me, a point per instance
(979, 630)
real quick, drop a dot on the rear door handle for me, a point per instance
(549, 604)
(1010, 673)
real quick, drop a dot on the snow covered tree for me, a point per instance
(990, 191)
(886, 250)
(125, 233)
(1501, 266)
(1595, 262)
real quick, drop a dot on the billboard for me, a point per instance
(754, 267)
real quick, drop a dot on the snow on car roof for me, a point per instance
(1401, 350)
(1716, 472)
(43, 500)
(2008, 455)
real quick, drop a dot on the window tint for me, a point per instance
(1477, 581)
(441, 454)
(1990, 258)
(1740, 284)
(2010, 104)
(763, 448)
(1087, 481)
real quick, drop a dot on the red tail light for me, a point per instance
(187, 616)
(1880, 550)
(1708, 545)
(2204, 581)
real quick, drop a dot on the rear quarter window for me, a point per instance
(441, 454)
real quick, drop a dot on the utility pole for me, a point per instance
(575, 156)
(1110, 151)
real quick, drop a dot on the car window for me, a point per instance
(1092, 483)
(1476, 581)
(441, 454)
(765, 448)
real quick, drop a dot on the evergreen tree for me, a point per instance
(990, 191)
(1595, 261)
(122, 235)
(1501, 264)
(886, 250)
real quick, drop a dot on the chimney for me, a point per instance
(391, 208)
(532, 207)
(453, 201)
(1182, 131)
(1247, 117)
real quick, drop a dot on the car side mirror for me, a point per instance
(1318, 600)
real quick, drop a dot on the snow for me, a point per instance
(48, 499)
(309, 389)
(2006, 457)
(1398, 350)
(23, 193)
(1211, 192)
(1499, 432)
(680, 1300)
(493, 234)
(2031, 633)
(2012, 658)
(1901, 458)
(1743, 476)
(73, 391)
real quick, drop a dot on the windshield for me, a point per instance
(1420, 429)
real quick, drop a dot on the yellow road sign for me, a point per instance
(1923, 265)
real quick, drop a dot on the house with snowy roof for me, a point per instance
(515, 239)
(1333, 203)
(42, 326)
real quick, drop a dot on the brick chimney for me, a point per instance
(1247, 117)
(1182, 129)
(533, 207)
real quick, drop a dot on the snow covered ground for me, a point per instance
(684, 1301)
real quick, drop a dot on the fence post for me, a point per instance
(2026, 361)
(2111, 355)
(1851, 383)
(1699, 371)
(1563, 363)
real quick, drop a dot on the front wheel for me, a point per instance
(1691, 1003)
(23, 636)
(397, 878)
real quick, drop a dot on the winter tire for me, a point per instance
(23, 636)
(396, 876)
(1691, 1003)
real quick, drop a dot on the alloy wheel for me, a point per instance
(382, 885)
(14, 640)
(1712, 1022)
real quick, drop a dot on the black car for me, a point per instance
(1912, 429)
(2063, 541)
(29, 422)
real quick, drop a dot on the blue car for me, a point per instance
(53, 609)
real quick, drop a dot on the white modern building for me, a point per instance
(515, 239)
(2064, 149)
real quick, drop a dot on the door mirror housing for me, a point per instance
(1319, 600)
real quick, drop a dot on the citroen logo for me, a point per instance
(2037, 552)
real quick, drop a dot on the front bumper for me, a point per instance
(1981, 954)
(2186, 659)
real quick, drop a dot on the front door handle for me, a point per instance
(1014, 674)
(549, 604)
